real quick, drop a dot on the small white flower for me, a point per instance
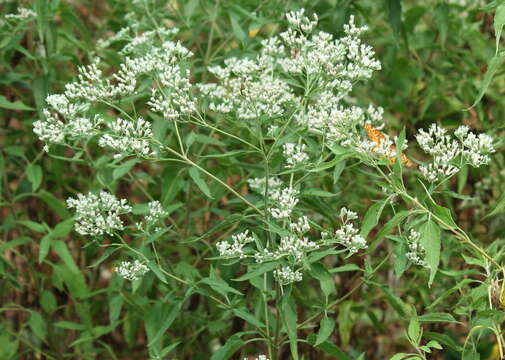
(259, 184)
(98, 214)
(128, 137)
(285, 201)
(301, 226)
(22, 14)
(296, 247)
(236, 247)
(260, 357)
(416, 251)
(156, 212)
(286, 275)
(348, 234)
(132, 271)
(473, 150)
(295, 154)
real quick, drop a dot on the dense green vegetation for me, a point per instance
(242, 187)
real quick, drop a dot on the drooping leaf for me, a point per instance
(34, 175)
(16, 105)
(493, 65)
(326, 328)
(498, 23)
(202, 185)
(430, 240)
(319, 271)
(288, 311)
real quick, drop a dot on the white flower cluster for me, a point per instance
(255, 88)
(248, 88)
(475, 149)
(260, 357)
(295, 154)
(236, 248)
(472, 149)
(331, 63)
(159, 61)
(285, 200)
(287, 275)
(347, 235)
(416, 251)
(301, 226)
(259, 184)
(140, 43)
(22, 14)
(132, 270)
(156, 212)
(128, 137)
(98, 214)
(66, 118)
(54, 130)
(295, 246)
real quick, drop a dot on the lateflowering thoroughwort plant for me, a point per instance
(289, 111)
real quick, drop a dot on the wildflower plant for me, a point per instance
(249, 188)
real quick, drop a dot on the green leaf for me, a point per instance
(219, 285)
(194, 173)
(345, 268)
(498, 22)
(62, 250)
(156, 270)
(317, 193)
(395, 301)
(16, 105)
(442, 21)
(34, 175)
(394, 8)
(33, 226)
(434, 344)
(494, 64)
(329, 348)
(123, 169)
(391, 224)
(70, 325)
(499, 206)
(54, 203)
(236, 28)
(414, 330)
(372, 217)
(231, 346)
(38, 324)
(257, 271)
(400, 356)
(160, 319)
(74, 281)
(326, 328)
(247, 316)
(288, 311)
(345, 322)
(63, 228)
(437, 317)
(319, 271)
(430, 239)
(444, 215)
(48, 301)
(45, 244)
(190, 7)
(16, 242)
(444, 339)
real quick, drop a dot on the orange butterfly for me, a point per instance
(376, 136)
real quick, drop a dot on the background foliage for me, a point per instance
(60, 297)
